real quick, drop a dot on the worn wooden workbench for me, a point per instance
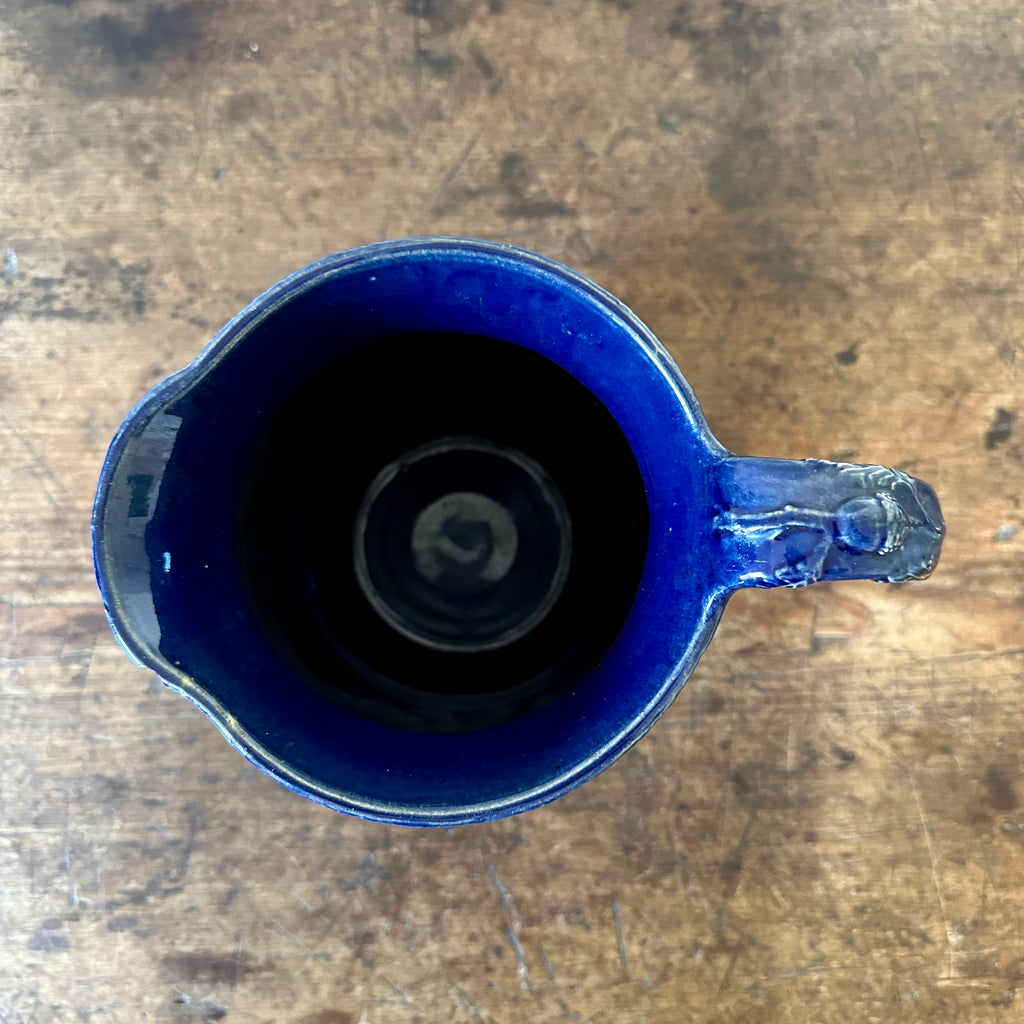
(820, 209)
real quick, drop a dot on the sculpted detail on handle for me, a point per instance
(783, 523)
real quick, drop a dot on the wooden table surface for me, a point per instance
(819, 207)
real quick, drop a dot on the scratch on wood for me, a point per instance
(617, 917)
(545, 962)
(54, 490)
(521, 966)
(934, 864)
(455, 168)
(407, 1000)
(83, 676)
(506, 899)
(515, 926)
(733, 954)
(477, 1010)
(195, 823)
(275, 924)
(308, 907)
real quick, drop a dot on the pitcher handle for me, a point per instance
(783, 523)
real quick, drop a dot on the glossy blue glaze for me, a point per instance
(167, 504)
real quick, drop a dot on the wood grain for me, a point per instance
(818, 208)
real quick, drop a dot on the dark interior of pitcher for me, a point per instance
(442, 531)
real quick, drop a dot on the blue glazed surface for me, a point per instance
(165, 517)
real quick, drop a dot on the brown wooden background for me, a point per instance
(819, 207)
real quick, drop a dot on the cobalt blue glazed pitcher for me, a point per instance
(434, 530)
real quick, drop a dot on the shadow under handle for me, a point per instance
(783, 523)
